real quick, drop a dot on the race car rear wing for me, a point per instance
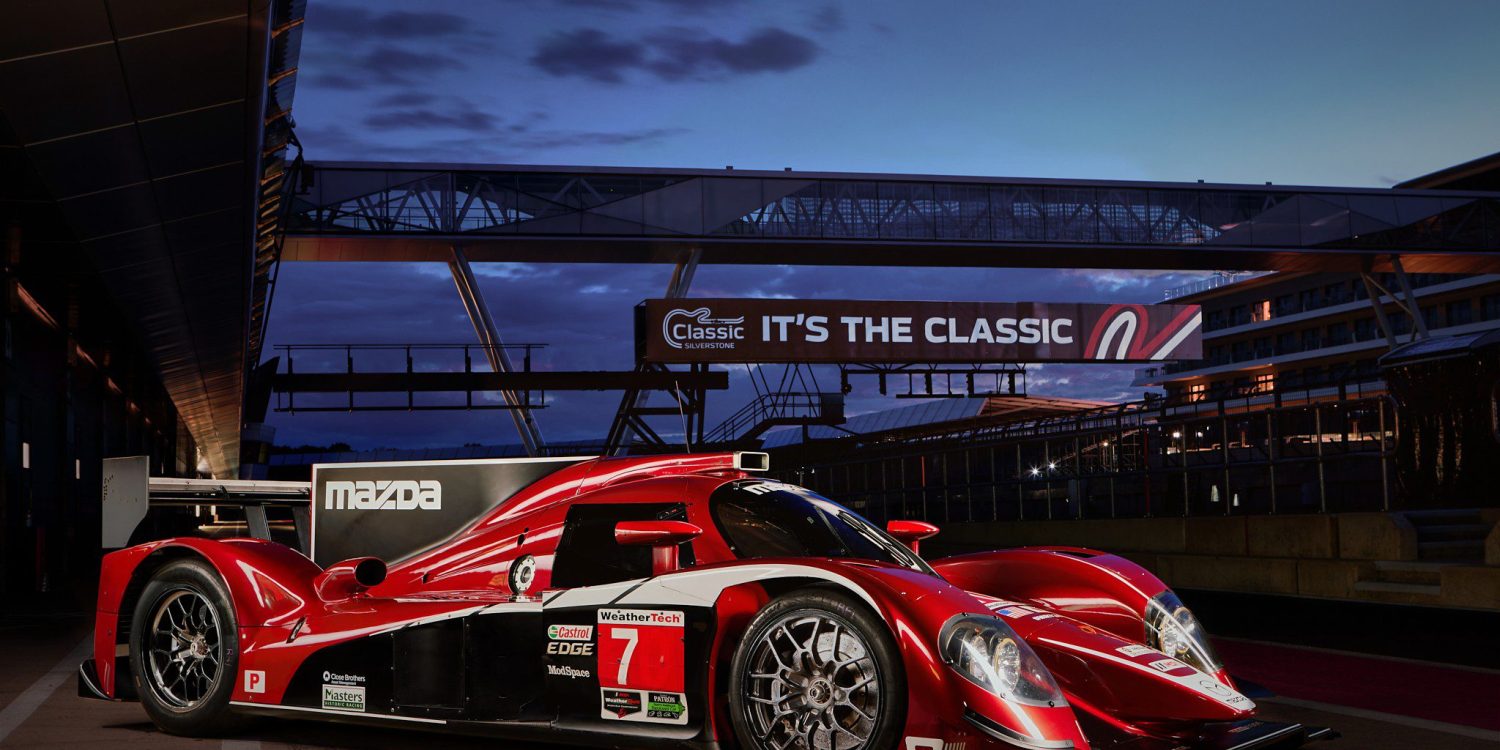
(139, 508)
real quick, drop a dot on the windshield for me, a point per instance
(770, 519)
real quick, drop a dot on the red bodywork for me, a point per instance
(1080, 610)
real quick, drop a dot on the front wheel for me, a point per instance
(184, 650)
(817, 670)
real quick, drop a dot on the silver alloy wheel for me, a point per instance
(812, 684)
(185, 649)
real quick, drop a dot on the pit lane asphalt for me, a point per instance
(39, 708)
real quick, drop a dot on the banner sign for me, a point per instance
(393, 510)
(787, 330)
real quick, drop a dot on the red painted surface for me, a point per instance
(1083, 609)
(1423, 690)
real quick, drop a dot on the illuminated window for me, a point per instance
(1261, 310)
(1264, 383)
(1197, 392)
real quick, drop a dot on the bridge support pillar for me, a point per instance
(489, 337)
(628, 418)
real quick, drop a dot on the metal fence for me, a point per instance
(1326, 450)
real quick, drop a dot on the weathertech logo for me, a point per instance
(400, 494)
(640, 617)
(698, 329)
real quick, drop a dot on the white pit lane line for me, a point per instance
(29, 700)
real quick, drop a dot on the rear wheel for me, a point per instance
(816, 670)
(184, 650)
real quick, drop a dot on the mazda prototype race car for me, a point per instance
(663, 601)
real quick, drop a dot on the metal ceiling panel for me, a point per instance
(142, 123)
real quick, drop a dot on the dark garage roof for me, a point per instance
(152, 134)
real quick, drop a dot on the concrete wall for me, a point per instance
(1310, 555)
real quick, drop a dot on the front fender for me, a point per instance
(1106, 591)
(269, 584)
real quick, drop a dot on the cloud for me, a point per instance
(588, 53)
(828, 19)
(460, 118)
(672, 54)
(361, 23)
(506, 143)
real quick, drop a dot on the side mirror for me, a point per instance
(911, 533)
(661, 536)
(348, 578)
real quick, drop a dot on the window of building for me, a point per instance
(1310, 299)
(1335, 294)
(1430, 316)
(1459, 312)
(1489, 307)
(1364, 329)
(1311, 339)
(1264, 383)
(1338, 333)
(1239, 315)
(1286, 304)
(1197, 392)
(1215, 320)
(1241, 351)
(1263, 347)
(1260, 311)
(1287, 343)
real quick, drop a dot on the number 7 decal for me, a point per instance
(631, 637)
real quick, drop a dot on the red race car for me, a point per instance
(660, 601)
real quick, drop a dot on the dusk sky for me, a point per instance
(1359, 93)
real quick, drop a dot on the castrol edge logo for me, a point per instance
(395, 494)
(698, 329)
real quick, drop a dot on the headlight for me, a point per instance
(988, 653)
(1172, 630)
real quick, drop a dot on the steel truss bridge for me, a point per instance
(457, 214)
(417, 212)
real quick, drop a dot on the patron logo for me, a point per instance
(668, 706)
(570, 632)
(698, 329)
(343, 698)
(640, 616)
(571, 673)
(400, 494)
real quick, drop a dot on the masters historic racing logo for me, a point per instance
(698, 329)
(398, 494)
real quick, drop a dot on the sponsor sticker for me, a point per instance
(619, 704)
(569, 648)
(1167, 665)
(255, 681)
(641, 617)
(399, 494)
(334, 678)
(572, 673)
(669, 706)
(1015, 612)
(570, 632)
(344, 697)
(1136, 649)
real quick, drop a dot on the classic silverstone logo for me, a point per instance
(698, 329)
(398, 494)
(1121, 333)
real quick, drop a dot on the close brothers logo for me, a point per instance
(698, 329)
(400, 494)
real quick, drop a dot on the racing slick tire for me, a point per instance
(816, 665)
(184, 650)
